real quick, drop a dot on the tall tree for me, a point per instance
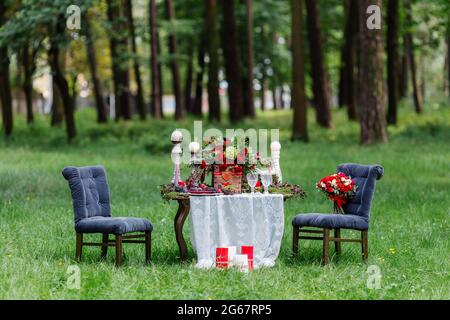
(318, 69)
(300, 128)
(232, 61)
(347, 88)
(155, 70)
(140, 103)
(249, 103)
(59, 77)
(188, 81)
(5, 87)
(274, 97)
(212, 40)
(198, 98)
(176, 82)
(27, 55)
(263, 92)
(392, 56)
(91, 53)
(412, 60)
(448, 57)
(404, 71)
(57, 108)
(119, 48)
(370, 78)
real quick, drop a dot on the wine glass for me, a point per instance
(266, 180)
(252, 179)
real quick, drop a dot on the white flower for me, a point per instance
(230, 152)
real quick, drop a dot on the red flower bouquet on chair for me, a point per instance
(339, 188)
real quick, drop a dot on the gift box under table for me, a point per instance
(237, 220)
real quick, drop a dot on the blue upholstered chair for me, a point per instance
(90, 195)
(356, 217)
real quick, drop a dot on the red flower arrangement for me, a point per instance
(339, 188)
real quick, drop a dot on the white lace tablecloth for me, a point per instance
(237, 220)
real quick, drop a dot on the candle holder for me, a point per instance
(275, 148)
(177, 151)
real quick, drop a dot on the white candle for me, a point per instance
(241, 262)
(231, 254)
(194, 147)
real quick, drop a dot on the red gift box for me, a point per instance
(221, 258)
(248, 250)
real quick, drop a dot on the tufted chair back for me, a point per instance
(90, 191)
(365, 177)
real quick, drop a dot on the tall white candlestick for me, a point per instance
(275, 148)
(177, 139)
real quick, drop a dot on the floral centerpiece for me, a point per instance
(228, 161)
(339, 188)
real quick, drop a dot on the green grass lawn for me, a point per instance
(408, 237)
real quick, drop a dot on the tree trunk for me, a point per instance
(318, 69)
(198, 99)
(27, 84)
(155, 80)
(176, 82)
(263, 91)
(57, 115)
(60, 79)
(160, 75)
(188, 82)
(249, 107)
(448, 58)
(5, 87)
(412, 61)
(212, 43)
(119, 44)
(404, 74)
(370, 79)
(274, 98)
(121, 55)
(342, 99)
(392, 52)
(74, 91)
(348, 83)
(299, 128)
(232, 61)
(140, 103)
(422, 77)
(102, 116)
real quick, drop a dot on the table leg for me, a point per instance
(182, 213)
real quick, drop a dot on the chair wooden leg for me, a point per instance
(295, 241)
(337, 244)
(148, 246)
(326, 244)
(105, 239)
(79, 246)
(118, 250)
(364, 245)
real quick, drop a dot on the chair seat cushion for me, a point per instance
(116, 225)
(327, 220)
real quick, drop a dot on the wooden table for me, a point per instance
(180, 218)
